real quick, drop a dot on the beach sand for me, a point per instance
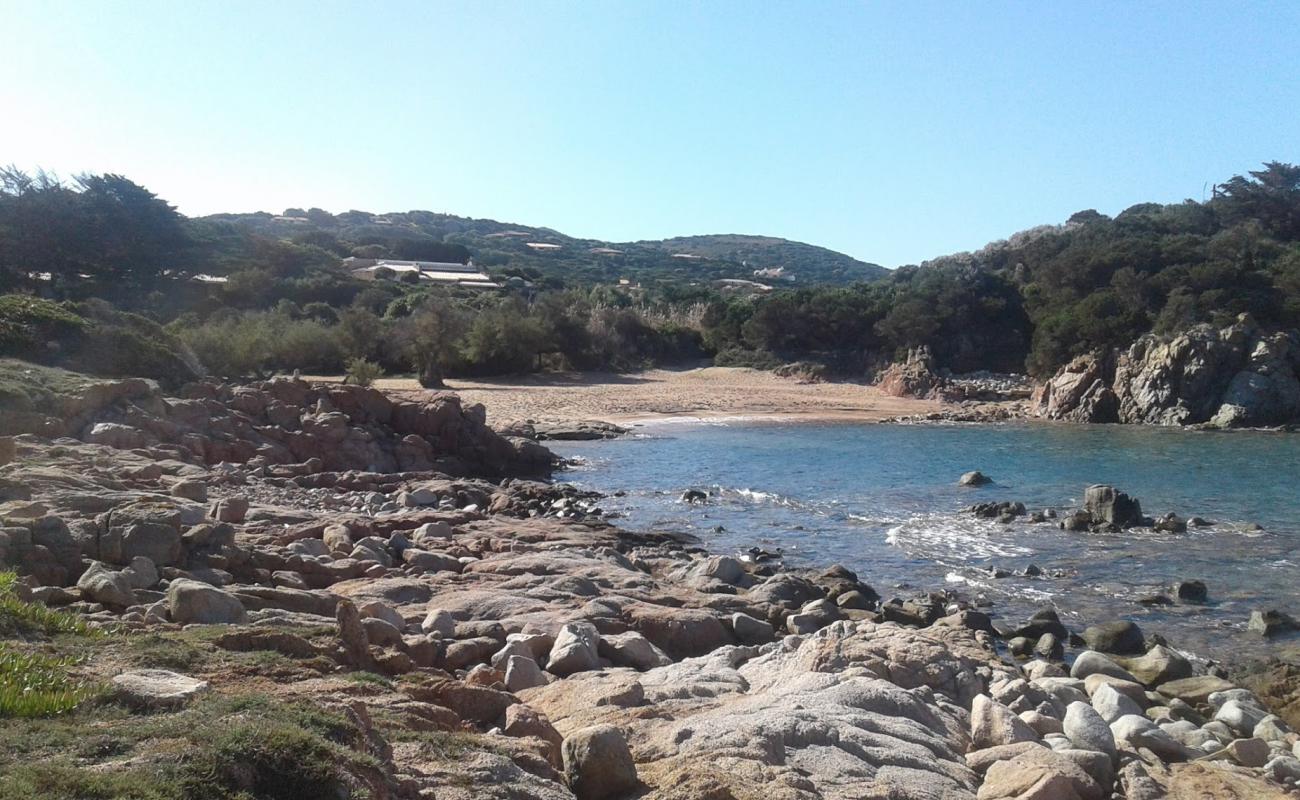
(708, 393)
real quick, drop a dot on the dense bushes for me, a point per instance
(234, 344)
(438, 334)
(1045, 295)
(91, 337)
(1030, 302)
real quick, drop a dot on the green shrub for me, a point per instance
(803, 371)
(755, 359)
(234, 345)
(30, 325)
(362, 372)
(63, 780)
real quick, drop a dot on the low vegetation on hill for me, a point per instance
(132, 287)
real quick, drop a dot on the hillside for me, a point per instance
(507, 248)
(811, 264)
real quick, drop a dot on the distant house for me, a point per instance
(542, 245)
(741, 285)
(448, 273)
(774, 273)
(688, 256)
(605, 251)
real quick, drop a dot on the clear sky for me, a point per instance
(892, 131)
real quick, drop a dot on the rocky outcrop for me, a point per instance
(1079, 392)
(1238, 376)
(914, 377)
(288, 421)
(550, 654)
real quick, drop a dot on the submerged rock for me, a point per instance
(1271, 622)
(974, 478)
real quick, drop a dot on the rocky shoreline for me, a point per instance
(348, 534)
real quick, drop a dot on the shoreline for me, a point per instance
(707, 394)
(413, 604)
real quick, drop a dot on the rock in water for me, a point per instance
(1121, 638)
(1270, 622)
(598, 763)
(156, 688)
(974, 478)
(1110, 506)
(190, 601)
(1191, 591)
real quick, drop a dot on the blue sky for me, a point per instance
(891, 131)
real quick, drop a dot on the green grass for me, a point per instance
(35, 685)
(368, 678)
(22, 619)
(221, 747)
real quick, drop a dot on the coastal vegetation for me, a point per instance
(105, 277)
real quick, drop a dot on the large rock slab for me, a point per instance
(156, 688)
(853, 710)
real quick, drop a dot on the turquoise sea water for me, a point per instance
(883, 500)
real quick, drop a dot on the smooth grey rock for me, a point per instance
(1110, 705)
(1136, 731)
(575, 650)
(439, 622)
(104, 585)
(974, 478)
(1158, 665)
(1087, 730)
(993, 724)
(1239, 716)
(156, 688)
(377, 610)
(1097, 765)
(141, 573)
(1120, 637)
(633, 650)
(523, 673)
(1271, 729)
(749, 630)
(190, 601)
(1041, 723)
(1090, 662)
(1108, 505)
(598, 763)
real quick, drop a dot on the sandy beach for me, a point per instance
(708, 392)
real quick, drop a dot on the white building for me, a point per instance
(449, 273)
